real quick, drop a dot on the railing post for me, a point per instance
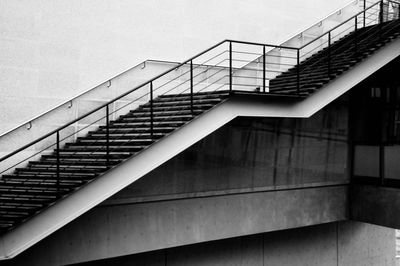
(263, 68)
(329, 54)
(380, 18)
(365, 6)
(151, 111)
(230, 66)
(191, 86)
(298, 70)
(355, 36)
(58, 160)
(398, 11)
(107, 135)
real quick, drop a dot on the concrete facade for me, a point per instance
(118, 230)
(252, 176)
(376, 205)
(277, 174)
(333, 244)
(258, 191)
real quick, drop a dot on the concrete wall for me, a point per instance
(333, 244)
(118, 230)
(51, 50)
(376, 205)
(254, 154)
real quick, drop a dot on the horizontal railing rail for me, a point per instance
(149, 82)
(337, 26)
(73, 98)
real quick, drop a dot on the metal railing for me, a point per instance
(370, 15)
(228, 66)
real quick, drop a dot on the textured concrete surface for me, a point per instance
(125, 229)
(334, 244)
(376, 205)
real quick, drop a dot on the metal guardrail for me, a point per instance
(228, 65)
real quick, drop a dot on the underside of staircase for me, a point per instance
(29, 190)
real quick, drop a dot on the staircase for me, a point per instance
(30, 189)
(344, 54)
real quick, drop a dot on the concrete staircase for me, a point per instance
(343, 56)
(31, 189)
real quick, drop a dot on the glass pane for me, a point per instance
(392, 165)
(366, 161)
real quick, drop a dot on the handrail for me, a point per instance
(201, 53)
(81, 94)
(134, 89)
(176, 98)
(332, 50)
(322, 19)
(262, 44)
(188, 62)
(337, 26)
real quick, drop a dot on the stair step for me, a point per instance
(156, 118)
(72, 163)
(20, 188)
(40, 184)
(127, 135)
(96, 152)
(184, 103)
(12, 210)
(33, 203)
(76, 147)
(147, 123)
(157, 112)
(119, 130)
(93, 157)
(175, 108)
(113, 141)
(67, 179)
(66, 168)
(218, 94)
(28, 172)
(40, 194)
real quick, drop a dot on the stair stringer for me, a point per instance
(114, 180)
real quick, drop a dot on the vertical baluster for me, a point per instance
(382, 163)
(230, 66)
(263, 68)
(365, 5)
(298, 71)
(151, 111)
(398, 11)
(329, 54)
(58, 160)
(380, 18)
(355, 35)
(108, 135)
(191, 86)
